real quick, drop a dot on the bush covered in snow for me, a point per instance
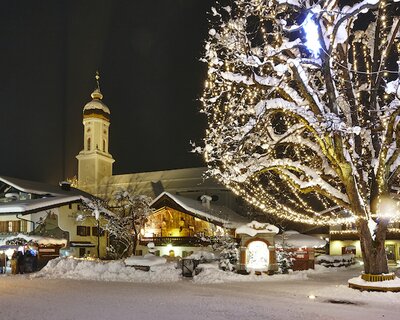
(225, 250)
(285, 260)
(328, 261)
(228, 256)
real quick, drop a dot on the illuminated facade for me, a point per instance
(180, 225)
(346, 240)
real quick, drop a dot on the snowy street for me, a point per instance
(24, 297)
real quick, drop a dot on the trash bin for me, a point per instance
(189, 267)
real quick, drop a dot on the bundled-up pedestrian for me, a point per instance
(2, 262)
(14, 262)
(20, 262)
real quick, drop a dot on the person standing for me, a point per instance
(20, 262)
(14, 262)
(2, 262)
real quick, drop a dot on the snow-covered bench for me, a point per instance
(145, 262)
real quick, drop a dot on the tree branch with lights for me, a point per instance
(303, 103)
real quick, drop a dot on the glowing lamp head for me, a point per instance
(388, 208)
(311, 30)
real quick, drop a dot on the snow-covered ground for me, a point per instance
(212, 294)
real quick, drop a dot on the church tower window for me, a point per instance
(104, 145)
(88, 144)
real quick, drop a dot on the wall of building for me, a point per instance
(10, 224)
(67, 221)
(335, 247)
(168, 222)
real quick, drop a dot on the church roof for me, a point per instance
(173, 181)
(96, 104)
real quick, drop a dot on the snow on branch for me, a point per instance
(284, 117)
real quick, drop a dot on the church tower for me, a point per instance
(94, 161)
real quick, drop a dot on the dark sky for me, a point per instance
(147, 53)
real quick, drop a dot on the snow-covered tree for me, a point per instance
(131, 211)
(96, 208)
(228, 252)
(303, 103)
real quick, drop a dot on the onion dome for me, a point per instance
(96, 108)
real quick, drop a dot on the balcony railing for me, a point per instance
(175, 241)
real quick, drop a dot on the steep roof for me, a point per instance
(35, 205)
(49, 196)
(220, 215)
(153, 183)
(40, 188)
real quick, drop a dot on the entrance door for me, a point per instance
(257, 256)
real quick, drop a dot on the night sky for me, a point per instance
(147, 53)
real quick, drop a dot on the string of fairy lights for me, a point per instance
(238, 135)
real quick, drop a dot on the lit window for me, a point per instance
(83, 231)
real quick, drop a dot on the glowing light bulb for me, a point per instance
(312, 36)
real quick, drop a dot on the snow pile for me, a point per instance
(202, 256)
(357, 297)
(35, 239)
(328, 261)
(147, 260)
(211, 273)
(253, 228)
(295, 239)
(78, 269)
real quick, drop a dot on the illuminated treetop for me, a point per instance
(302, 100)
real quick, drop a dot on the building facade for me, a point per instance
(28, 207)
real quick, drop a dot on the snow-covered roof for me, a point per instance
(36, 239)
(30, 205)
(39, 188)
(50, 196)
(253, 228)
(173, 181)
(96, 104)
(295, 239)
(215, 213)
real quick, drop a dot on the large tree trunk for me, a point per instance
(373, 250)
(372, 247)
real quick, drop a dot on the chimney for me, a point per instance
(205, 201)
(65, 185)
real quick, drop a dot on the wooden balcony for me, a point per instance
(175, 241)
